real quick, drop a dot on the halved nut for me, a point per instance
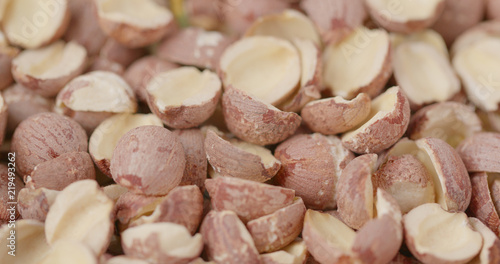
(387, 122)
(81, 212)
(105, 137)
(289, 24)
(407, 180)
(187, 107)
(183, 205)
(427, 36)
(114, 191)
(34, 23)
(23, 103)
(125, 260)
(249, 200)
(28, 238)
(405, 16)
(265, 67)
(240, 159)
(450, 121)
(490, 251)
(131, 206)
(333, 24)
(61, 171)
(195, 47)
(148, 160)
(364, 50)
(47, 70)
(434, 235)
(452, 187)
(355, 191)
(227, 240)
(477, 65)
(312, 165)
(479, 152)
(63, 250)
(134, 23)
(482, 204)
(102, 64)
(311, 67)
(424, 73)
(336, 115)
(161, 243)
(256, 121)
(139, 73)
(275, 231)
(193, 142)
(295, 253)
(87, 98)
(483, 30)
(458, 16)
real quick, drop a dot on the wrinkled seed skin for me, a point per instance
(481, 204)
(148, 160)
(43, 137)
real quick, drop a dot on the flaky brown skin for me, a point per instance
(130, 205)
(454, 178)
(43, 137)
(330, 117)
(183, 205)
(185, 116)
(60, 172)
(385, 131)
(6, 56)
(193, 142)
(148, 160)
(227, 240)
(231, 161)
(254, 121)
(311, 166)
(480, 152)
(274, 231)
(187, 48)
(481, 204)
(140, 72)
(4, 113)
(408, 26)
(115, 51)
(352, 187)
(249, 200)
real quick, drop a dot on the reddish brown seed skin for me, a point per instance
(254, 122)
(129, 205)
(311, 169)
(183, 205)
(4, 196)
(248, 199)
(481, 204)
(231, 161)
(275, 231)
(352, 188)
(481, 152)
(330, 117)
(195, 172)
(148, 160)
(43, 137)
(60, 172)
(33, 204)
(185, 48)
(227, 240)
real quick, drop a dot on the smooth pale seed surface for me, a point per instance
(406, 10)
(308, 59)
(63, 250)
(479, 67)
(364, 51)
(335, 232)
(183, 86)
(30, 239)
(427, 36)
(52, 61)
(266, 67)
(142, 13)
(265, 154)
